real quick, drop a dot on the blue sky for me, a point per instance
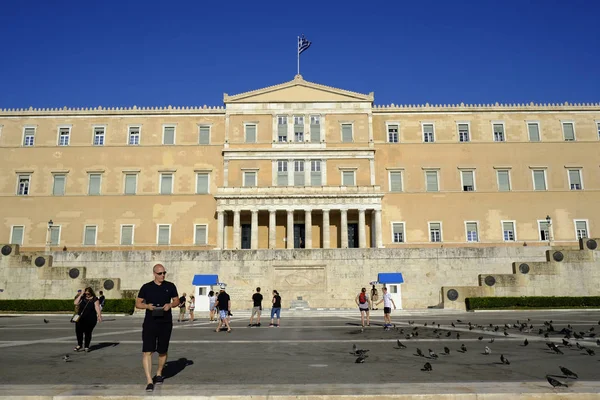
(150, 53)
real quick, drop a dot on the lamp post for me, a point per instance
(49, 241)
(549, 221)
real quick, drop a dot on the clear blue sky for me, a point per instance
(150, 53)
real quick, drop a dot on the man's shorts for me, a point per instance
(256, 311)
(363, 309)
(387, 310)
(155, 337)
(223, 314)
(181, 310)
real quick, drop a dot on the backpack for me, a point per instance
(362, 298)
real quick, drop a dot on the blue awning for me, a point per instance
(390, 277)
(205, 280)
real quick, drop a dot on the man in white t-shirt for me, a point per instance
(387, 308)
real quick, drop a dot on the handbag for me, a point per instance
(77, 317)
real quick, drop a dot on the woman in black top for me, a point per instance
(89, 313)
(276, 309)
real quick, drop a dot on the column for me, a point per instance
(362, 236)
(237, 239)
(220, 222)
(344, 228)
(254, 230)
(290, 172)
(308, 229)
(307, 171)
(326, 229)
(272, 229)
(373, 237)
(290, 229)
(378, 234)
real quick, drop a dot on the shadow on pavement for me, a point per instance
(172, 368)
(102, 345)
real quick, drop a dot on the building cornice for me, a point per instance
(462, 107)
(111, 111)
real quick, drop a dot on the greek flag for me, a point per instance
(303, 44)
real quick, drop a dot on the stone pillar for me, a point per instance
(378, 233)
(344, 228)
(308, 229)
(237, 237)
(362, 236)
(326, 230)
(272, 229)
(254, 230)
(290, 229)
(220, 226)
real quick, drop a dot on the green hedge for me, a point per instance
(491, 303)
(125, 306)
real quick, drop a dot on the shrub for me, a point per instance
(126, 306)
(490, 303)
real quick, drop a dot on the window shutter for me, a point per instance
(315, 178)
(298, 173)
(315, 132)
(467, 178)
(127, 235)
(575, 177)
(130, 183)
(398, 228)
(54, 235)
(59, 185)
(163, 234)
(395, 181)
(202, 184)
(200, 235)
(432, 181)
(94, 187)
(428, 129)
(534, 132)
(471, 227)
(346, 133)
(282, 178)
(348, 178)
(434, 226)
(507, 226)
(569, 131)
(166, 181)
(250, 133)
(169, 135)
(282, 129)
(503, 181)
(17, 235)
(250, 179)
(539, 181)
(204, 135)
(580, 225)
(90, 235)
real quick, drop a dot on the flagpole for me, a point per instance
(298, 51)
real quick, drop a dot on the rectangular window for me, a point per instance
(392, 133)
(395, 181)
(29, 137)
(315, 128)
(169, 135)
(89, 235)
(503, 180)
(315, 173)
(431, 180)
(428, 133)
(463, 133)
(347, 133)
(499, 133)
(435, 232)
(472, 232)
(581, 230)
(348, 178)
(508, 231)
(99, 136)
(544, 228)
(468, 181)
(126, 235)
(23, 185)
(250, 133)
(130, 183)
(134, 135)
(539, 179)
(166, 183)
(163, 235)
(575, 179)
(298, 173)
(282, 128)
(204, 134)
(534, 131)
(201, 183)
(398, 232)
(282, 173)
(299, 129)
(95, 181)
(54, 235)
(249, 178)
(16, 235)
(64, 136)
(200, 235)
(598, 128)
(568, 131)
(58, 188)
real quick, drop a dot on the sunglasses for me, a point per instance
(161, 273)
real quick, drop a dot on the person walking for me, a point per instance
(181, 308)
(387, 308)
(89, 314)
(364, 303)
(224, 305)
(157, 297)
(374, 297)
(276, 309)
(212, 300)
(192, 307)
(101, 299)
(257, 299)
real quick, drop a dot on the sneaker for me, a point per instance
(271, 325)
(277, 326)
(258, 324)
(158, 379)
(250, 325)
(87, 349)
(150, 387)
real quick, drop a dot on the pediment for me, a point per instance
(298, 91)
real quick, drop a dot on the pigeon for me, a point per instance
(492, 340)
(459, 321)
(487, 350)
(411, 322)
(557, 350)
(457, 336)
(505, 333)
(598, 342)
(361, 359)
(432, 354)
(419, 352)
(400, 345)
(566, 343)
(546, 334)
(446, 350)
(578, 345)
(590, 352)
(480, 338)
(354, 347)
(425, 324)
(427, 367)
(450, 333)
(554, 382)
(463, 348)
(46, 321)
(526, 342)
(504, 359)
(453, 325)
(577, 336)
(67, 358)
(568, 372)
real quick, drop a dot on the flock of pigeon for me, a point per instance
(546, 330)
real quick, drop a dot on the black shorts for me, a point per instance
(387, 310)
(155, 337)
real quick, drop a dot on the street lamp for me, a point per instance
(549, 221)
(50, 224)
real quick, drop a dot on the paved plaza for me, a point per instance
(308, 354)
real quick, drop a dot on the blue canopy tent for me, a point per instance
(390, 277)
(205, 280)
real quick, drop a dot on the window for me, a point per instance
(315, 173)
(472, 232)
(539, 179)
(127, 235)
(463, 133)
(435, 231)
(163, 235)
(499, 133)
(431, 181)
(315, 128)
(64, 136)
(348, 178)
(468, 180)
(598, 128)
(503, 180)
(54, 235)
(166, 183)
(89, 235)
(23, 185)
(58, 188)
(575, 179)
(282, 129)
(299, 129)
(395, 181)
(568, 131)
(298, 173)
(544, 229)
(581, 231)
(534, 131)
(249, 178)
(392, 133)
(508, 231)
(200, 235)
(347, 133)
(250, 133)
(29, 136)
(95, 181)
(204, 134)
(202, 183)
(168, 135)
(428, 133)
(99, 136)
(130, 183)
(282, 173)
(16, 234)
(134, 135)
(398, 232)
